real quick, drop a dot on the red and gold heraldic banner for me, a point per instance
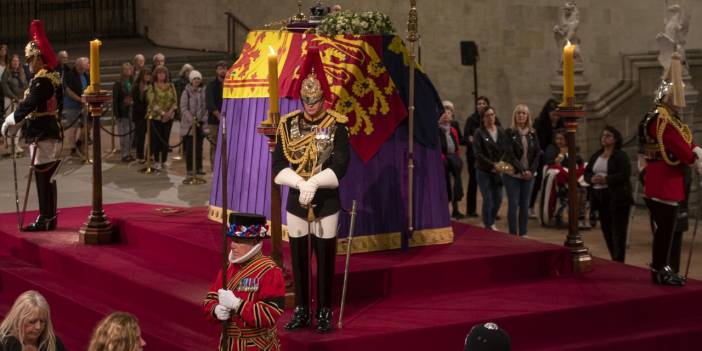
(361, 86)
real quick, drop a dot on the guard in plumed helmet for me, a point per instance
(666, 148)
(39, 113)
(254, 298)
(311, 156)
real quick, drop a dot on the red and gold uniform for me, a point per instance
(667, 147)
(259, 283)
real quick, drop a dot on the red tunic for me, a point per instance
(663, 181)
(259, 283)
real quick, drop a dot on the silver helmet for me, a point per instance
(663, 90)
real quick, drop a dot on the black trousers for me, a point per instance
(453, 165)
(188, 145)
(139, 138)
(614, 221)
(663, 217)
(472, 191)
(46, 189)
(159, 140)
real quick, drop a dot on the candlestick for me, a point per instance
(273, 81)
(95, 65)
(568, 75)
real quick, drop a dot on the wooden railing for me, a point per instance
(67, 20)
(232, 23)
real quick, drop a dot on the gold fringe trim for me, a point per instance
(370, 243)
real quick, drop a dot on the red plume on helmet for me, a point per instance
(312, 64)
(38, 34)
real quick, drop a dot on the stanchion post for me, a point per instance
(148, 169)
(193, 179)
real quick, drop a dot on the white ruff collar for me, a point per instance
(254, 250)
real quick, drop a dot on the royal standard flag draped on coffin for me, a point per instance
(360, 80)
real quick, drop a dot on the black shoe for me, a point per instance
(666, 276)
(41, 224)
(300, 318)
(324, 320)
(473, 215)
(457, 215)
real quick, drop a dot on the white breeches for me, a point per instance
(46, 151)
(324, 228)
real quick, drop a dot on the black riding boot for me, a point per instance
(46, 192)
(326, 259)
(300, 267)
(664, 217)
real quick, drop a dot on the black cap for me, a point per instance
(487, 337)
(246, 219)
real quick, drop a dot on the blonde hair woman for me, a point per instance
(117, 332)
(27, 325)
(522, 151)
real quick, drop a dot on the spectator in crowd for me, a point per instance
(4, 62)
(556, 157)
(609, 170)
(192, 108)
(183, 79)
(138, 62)
(162, 105)
(489, 145)
(547, 122)
(487, 337)
(27, 325)
(119, 331)
(450, 154)
(139, 109)
(63, 66)
(472, 124)
(74, 83)
(14, 81)
(213, 95)
(159, 60)
(13, 84)
(122, 102)
(523, 154)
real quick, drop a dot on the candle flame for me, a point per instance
(568, 43)
(271, 50)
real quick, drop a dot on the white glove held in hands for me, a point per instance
(222, 313)
(307, 191)
(228, 300)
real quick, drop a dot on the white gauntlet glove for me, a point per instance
(222, 313)
(288, 177)
(698, 161)
(325, 179)
(9, 121)
(228, 300)
(307, 191)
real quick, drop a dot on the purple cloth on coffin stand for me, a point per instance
(379, 186)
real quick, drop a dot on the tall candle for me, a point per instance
(95, 64)
(568, 75)
(273, 80)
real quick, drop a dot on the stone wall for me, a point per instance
(518, 55)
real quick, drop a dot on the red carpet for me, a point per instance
(426, 298)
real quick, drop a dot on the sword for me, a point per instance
(29, 184)
(694, 231)
(14, 173)
(348, 260)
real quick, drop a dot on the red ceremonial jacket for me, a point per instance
(259, 283)
(663, 181)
